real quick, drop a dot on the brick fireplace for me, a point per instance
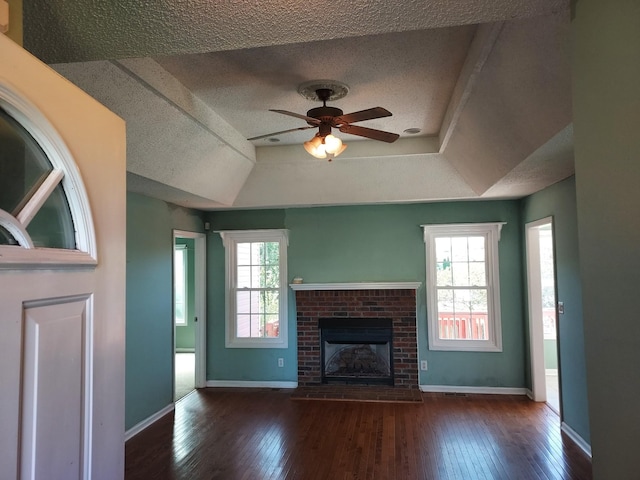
(352, 301)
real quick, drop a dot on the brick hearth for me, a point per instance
(399, 305)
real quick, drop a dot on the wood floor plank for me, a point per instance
(262, 434)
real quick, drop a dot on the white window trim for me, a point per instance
(229, 239)
(491, 231)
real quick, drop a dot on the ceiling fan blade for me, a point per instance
(370, 133)
(369, 114)
(279, 133)
(315, 121)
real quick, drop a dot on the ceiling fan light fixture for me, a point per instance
(315, 147)
(332, 144)
(342, 149)
(321, 147)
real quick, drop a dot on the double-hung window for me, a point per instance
(256, 288)
(463, 289)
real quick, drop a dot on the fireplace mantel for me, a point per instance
(356, 286)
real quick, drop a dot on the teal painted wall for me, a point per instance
(149, 329)
(559, 201)
(186, 334)
(244, 364)
(606, 114)
(372, 243)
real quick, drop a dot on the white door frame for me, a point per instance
(536, 331)
(200, 307)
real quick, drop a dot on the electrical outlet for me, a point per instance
(281, 362)
(423, 364)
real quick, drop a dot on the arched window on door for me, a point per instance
(45, 218)
(30, 192)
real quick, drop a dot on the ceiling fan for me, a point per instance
(325, 118)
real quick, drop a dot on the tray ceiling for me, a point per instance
(487, 83)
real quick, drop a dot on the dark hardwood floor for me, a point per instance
(262, 434)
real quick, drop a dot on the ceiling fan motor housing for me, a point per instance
(324, 114)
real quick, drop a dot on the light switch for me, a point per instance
(561, 308)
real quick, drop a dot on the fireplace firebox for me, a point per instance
(356, 350)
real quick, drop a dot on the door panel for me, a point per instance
(54, 353)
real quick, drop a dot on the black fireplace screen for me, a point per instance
(356, 350)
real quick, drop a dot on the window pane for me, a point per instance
(256, 277)
(445, 300)
(256, 326)
(460, 274)
(243, 302)
(243, 251)
(462, 301)
(476, 249)
(272, 253)
(459, 249)
(270, 302)
(272, 326)
(446, 314)
(443, 274)
(256, 253)
(271, 276)
(477, 274)
(243, 327)
(443, 249)
(244, 277)
(23, 165)
(179, 286)
(478, 301)
(180, 314)
(52, 226)
(479, 315)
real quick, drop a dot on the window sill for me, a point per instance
(256, 343)
(465, 347)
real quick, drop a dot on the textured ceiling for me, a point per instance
(80, 30)
(411, 74)
(487, 82)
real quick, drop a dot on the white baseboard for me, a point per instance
(576, 438)
(148, 421)
(529, 394)
(250, 384)
(478, 390)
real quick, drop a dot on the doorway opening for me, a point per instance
(188, 312)
(543, 313)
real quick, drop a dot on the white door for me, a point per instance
(62, 277)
